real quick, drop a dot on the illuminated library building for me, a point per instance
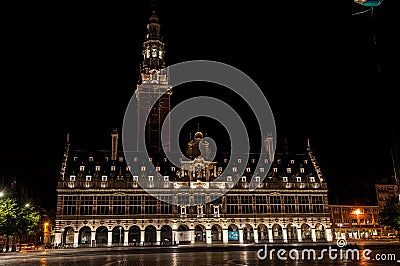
(100, 201)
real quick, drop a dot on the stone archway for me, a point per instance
(183, 235)
(150, 235)
(85, 236)
(233, 233)
(277, 233)
(166, 235)
(68, 236)
(101, 236)
(200, 233)
(216, 233)
(118, 235)
(248, 233)
(262, 231)
(306, 233)
(134, 235)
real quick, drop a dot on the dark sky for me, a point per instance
(72, 67)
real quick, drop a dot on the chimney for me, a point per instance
(114, 144)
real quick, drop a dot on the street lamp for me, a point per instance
(1, 194)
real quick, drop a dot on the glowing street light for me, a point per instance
(1, 194)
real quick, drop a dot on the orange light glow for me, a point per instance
(357, 212)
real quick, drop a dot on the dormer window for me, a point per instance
(229, 178)
(284, 179)
(279, 161)
(71, 178)
(151, 178)
(253, 160)
(292, 161)
(257, 178)
(88, 178)
(75, 158)
(166, 178)
(158, 168)
(128, 168)
(302, 170)
(103, 178)
(106, 159)
(121, 159)
(225, 160)
(220, 169)
(239, 160)
(248, 169)
(90, 159)
(143, 168)
(234, 169)
(298, 178)
(288, 170)
(173, 168)
(97, 168)
(135, 178)
(312, 179)
(262, 169)
(305, 161)
(275, 170)
(165, 160)
(113, 168)
(265, 160)
(150, 159)
(135, 159)
(82, 168)
(243, 179)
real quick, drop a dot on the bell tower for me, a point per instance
(153, 84)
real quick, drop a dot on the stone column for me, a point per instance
(109, 238)
(240, 235)
(158, 237)
(255, 233)
(126, 233)
(225, 236)
(142, 231)
(299, 235)
(313, 236)
(208, 236)
(93, 238)
(270, 236)
(76, 238)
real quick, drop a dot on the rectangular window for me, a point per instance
(104, 178)
(166, 178)
(82, 168)
(118, 205)
(229, 178)
(113, 168)
(135, 178)
(97, 168)
(88, 178)
(90, 159)
(71, 178)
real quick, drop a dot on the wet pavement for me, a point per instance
(329, 254)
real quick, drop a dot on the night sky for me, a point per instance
(74, 67)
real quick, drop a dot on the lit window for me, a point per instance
(75, 158)
(121, 159)
(292, 161)
(165, 160)
(183, 209)
(275, 170)
(113, 168)
(72, 178)
(284, 179)
(135, 178)
(248, 169)
(90, 159)
(143, 168)
(305, 161)
(243, 179)
(253, 160)
(262, 170)
(298, 178)
(88, 178)
(229, 178)
(106, 159)
(82, 168)
(135, 159)
(302, 170)
(288, 170)
(225, 160)
(104, 178)
(239, 160)
(257, 179)
(151, 178)
(128, 168)
(234, 169)
(97, 168)
(312, 179)
(265, 160)
(279, 161)
(166, 178)
(150, 159)
(158, 168)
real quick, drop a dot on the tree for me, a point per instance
(27, 221)
(390, 215)
(8, 218)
